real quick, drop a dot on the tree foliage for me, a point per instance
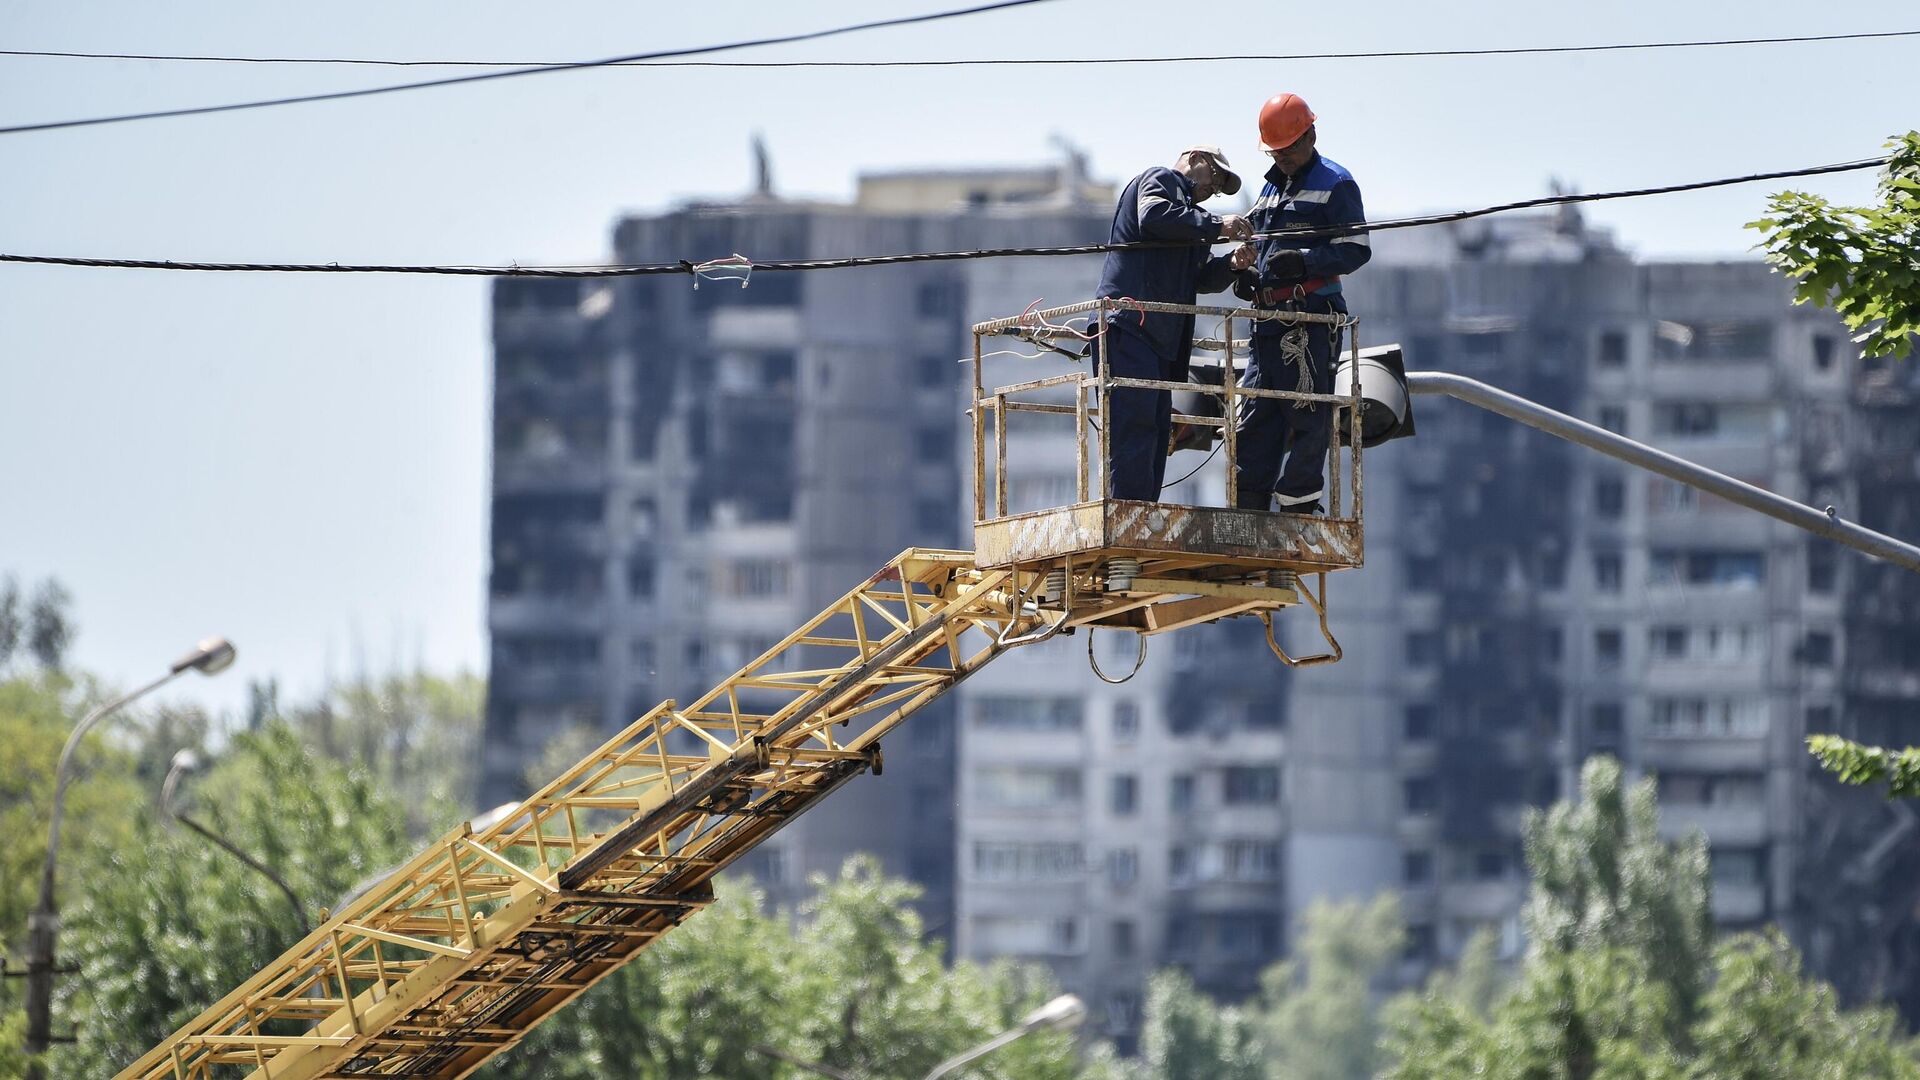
(169, 923)
(1862, 261)
(1317, 1009)
(1623, 982)
(847, 982)
(1863, 765)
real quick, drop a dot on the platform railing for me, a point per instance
(1093, 396)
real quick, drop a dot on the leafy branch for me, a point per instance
(1861, 261)
(1861, 765)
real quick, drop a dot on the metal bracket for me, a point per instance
(1319, 605)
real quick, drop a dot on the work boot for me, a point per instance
(1311, 509)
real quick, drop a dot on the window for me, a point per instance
(1180, 792)
(1179, 865)
(1419, 794)
(932, 445)
(1030, 714)
(1823, 568)
(1609, 497)
(1605, 722)
(1728, 789)
(1423, 647)
(1420, 942)
(1005, 860)
(1490, 865)
(1123, 794)
(1606, 571)
(1123, 867)
(1613, 349)
(1722, 341)
(1243, 784)
(1252, 934)
(1817, 649)
(640, 577)
(1705, 717)
(640, 653)
(933, 516)
(1823, 352)
(1707, 569)
(757, 578)
(1416, 867)
(1607, 649)
(1667, 642)
(1694, 419)
(1026, 787)
(1418, 721)
(1552, 644)
(1126, 721)
(1244, 860)
(937, 298)
(1124, 943)
(1614, 418)
(937, 369)
(1422, 572)
(1738, 866)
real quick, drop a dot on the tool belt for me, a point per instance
(1274, 297)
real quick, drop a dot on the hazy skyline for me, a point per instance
(297, 461)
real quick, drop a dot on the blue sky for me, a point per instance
(300, 462)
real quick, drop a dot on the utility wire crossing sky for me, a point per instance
(696, 269)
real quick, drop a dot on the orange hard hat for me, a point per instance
(1283, 119)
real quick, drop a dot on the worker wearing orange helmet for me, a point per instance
(1309, 194)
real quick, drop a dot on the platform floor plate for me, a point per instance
(1191, 535)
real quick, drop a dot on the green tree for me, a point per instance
(1317, 1009)
(1862, 261)
(1603, 879)
(847, 982)
(1622, 981)
(1185, 1035)
(415, 732)
(168, 923)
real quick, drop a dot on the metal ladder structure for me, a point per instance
(456, 955)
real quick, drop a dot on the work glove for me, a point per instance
(1287, 266)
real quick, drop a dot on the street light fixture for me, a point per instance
(1062, 1013)
(186, 761)
(209, 657)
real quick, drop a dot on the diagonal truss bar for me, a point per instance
(460, 952)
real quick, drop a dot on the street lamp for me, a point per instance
(210, 657)
(1063, 1012)
(187, 761)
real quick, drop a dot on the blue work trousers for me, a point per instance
(1272, 429)
(1141, 421)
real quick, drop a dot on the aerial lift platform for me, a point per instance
(456, 955)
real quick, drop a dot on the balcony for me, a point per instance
(566, 471)
(545, 612)
(1742, 902)
(1743, 824)
(555, 328)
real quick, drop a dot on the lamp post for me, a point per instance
(210, 657)
(185, 762)
(1063, 1012)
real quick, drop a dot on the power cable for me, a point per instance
(698, 50)
(690, 268)
(984, 62)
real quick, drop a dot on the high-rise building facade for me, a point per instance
(682, 475)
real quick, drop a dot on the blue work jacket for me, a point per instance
(1158, 205)
(1322, 195)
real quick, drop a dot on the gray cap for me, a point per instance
(1229, 180)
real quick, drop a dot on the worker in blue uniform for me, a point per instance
(1304, 191)
(1161, 204)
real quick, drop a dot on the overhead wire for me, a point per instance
(1393, 54)
(540, 69)
(692, 268)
